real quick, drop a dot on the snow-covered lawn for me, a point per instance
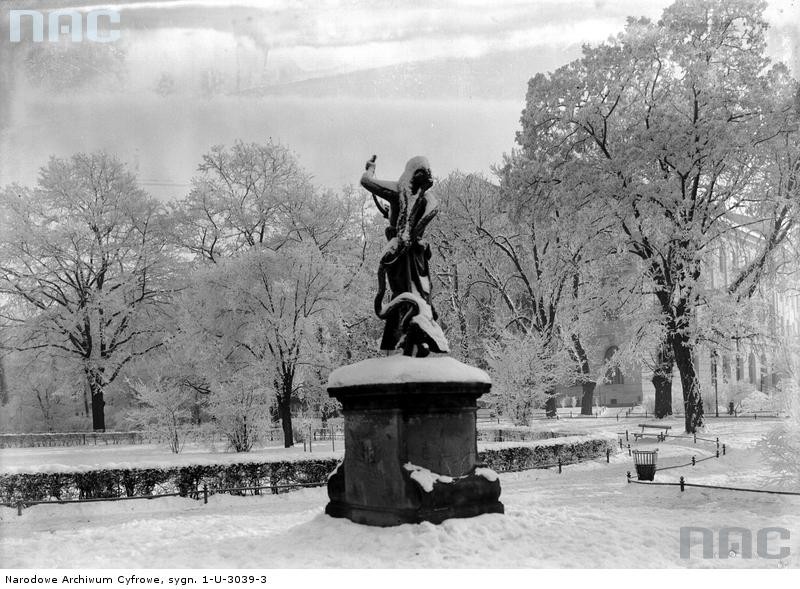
(84, 458)
(586, 517)
(81, 458)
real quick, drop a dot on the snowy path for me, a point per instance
(586, 517)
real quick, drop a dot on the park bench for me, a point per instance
(661, 435)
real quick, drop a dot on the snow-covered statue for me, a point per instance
(409, 314)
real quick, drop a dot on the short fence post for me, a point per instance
(608, 455)
(755, 415)
(333, 441)
(723, 449)
(559, 466)
(19, 507)
(717, 452)
(682, 484)
(205, 494)
(695, 438)
(629, 477)
(620, 443)
(617, 416)
(626, 435)
(629, 450)
(717, 443)
(693, 461)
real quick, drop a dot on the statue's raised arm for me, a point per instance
(386, 189)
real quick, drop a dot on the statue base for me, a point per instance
(410, 442)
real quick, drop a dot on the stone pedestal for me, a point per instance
(410, 442)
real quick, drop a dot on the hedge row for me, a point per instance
(71, 439)
(521, 434)
(525, 457)
(185, 480)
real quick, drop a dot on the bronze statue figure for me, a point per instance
(409, 315)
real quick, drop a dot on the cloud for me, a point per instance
(337, 34)
(345, 58)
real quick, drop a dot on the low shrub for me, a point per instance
(189, 480)
(516, 434)
(535, 456)
(185, 480)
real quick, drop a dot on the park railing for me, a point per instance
(721, 450)
(269, 437)
(203, 493)
(194, 481)
(683, 484)
(45, 439)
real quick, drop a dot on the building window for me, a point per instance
(613, 374)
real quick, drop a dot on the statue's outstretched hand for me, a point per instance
(371, 163)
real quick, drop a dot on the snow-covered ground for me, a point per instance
(83, 458)
(586, 517)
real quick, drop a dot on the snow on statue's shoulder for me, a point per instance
(404, 369)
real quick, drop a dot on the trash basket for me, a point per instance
(645, 461)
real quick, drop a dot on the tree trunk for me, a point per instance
(285, 410)
(95, 382)
(458, 308)
(587, 400)
(86, 394)
(662, 381)
(587, 386)
(98, 411)
(663, 386)
(550, 405)
(692, 401)
(3, 387)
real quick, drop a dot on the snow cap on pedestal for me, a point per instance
(405, 369)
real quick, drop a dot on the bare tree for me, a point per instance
(260, 313)
(83, 268)
(688, 135)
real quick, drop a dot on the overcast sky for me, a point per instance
(334, 80)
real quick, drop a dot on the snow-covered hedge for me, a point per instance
(501, 456)
(521, 457)
(185, 480)
(515, 434)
